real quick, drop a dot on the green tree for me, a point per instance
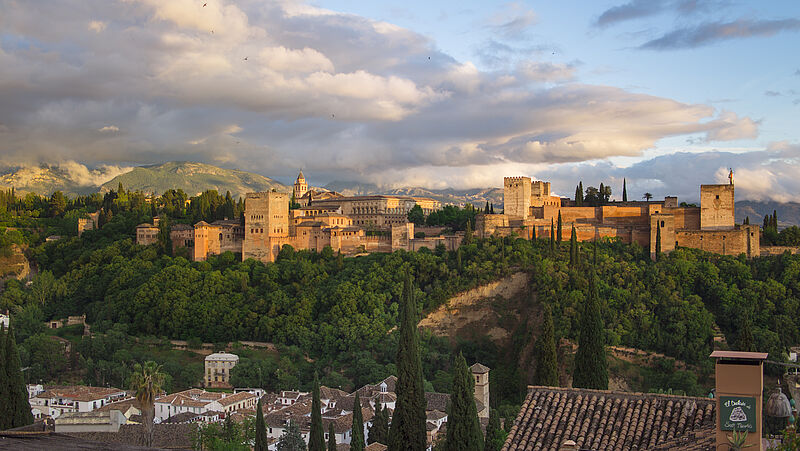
(5, 407)
(647, 196)
(495, 436)
(147, 381)
(357, 438)
(591, 367)
(573, 249)
(560, 227)
(291, 439)
(468, 233)
(331, 437)
(416, 215)
(261, 429)
(164, 239)
(658, 241)
(624, 190)
(552, 237)
(379, 430)
(17, 411)
(316, 436)
(463, 427)
(580, 188)
(58, 204)
(408, 428)
(578, 196)
(486, 208)
(545, 352)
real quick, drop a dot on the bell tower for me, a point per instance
(300, 186)
(481, 375)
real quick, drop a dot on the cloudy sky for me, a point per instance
(667, 93)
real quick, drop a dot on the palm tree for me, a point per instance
(647, 196)
(147, 381)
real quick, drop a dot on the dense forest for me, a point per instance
(336, 315)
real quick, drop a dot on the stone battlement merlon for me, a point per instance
(516, 179)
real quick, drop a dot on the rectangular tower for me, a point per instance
(517, 196)
(716, 207)
(266, 221)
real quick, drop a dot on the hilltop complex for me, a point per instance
(379, 223)
(348, 224)
(530, 210)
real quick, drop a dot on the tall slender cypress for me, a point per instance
(578, 196)
(17, 393)
(580, 186)
(658, 241)
(261, 430)
(494, 435)
(591, 367)
(357, 438)
(408, 429)
(560, 227)
(331, 437)
(5, 407)
(486, 209)
(573, 261)
(552, 236)
(545, 352)
(316, 436)
(463, 427)
(379, 430)
(624, 191)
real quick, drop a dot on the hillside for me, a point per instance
(193, 178)
(475, 196)
(788, 212)
(45, 179)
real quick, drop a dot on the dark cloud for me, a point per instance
(708, 33)
(632, 10)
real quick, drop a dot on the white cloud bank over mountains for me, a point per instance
(274, 86)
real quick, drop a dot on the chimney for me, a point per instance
(739, 394)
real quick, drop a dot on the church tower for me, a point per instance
(481, 375)
(300, 187)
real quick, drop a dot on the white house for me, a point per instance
(5, 319)
(200, 401)
(57, 400)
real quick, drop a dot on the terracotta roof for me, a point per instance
(164, 435)
(241, 396)
(602, 419)
(183, 417)
(80, 393)
(434, 415)
(122, 406)
(376, 447)
(479, 369)
(739, 355)
(56, 442)
(438, 401)
(700, 440)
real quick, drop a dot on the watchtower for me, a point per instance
(517, 196)
(716, 207)
(481, 375)
(266, 218)
(300, 186)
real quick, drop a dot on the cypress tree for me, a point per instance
(379, 430)
(357, 439)
(491, 209)
(580, 185)
(624, 191)
(486, 209)
(658, 241)
(5, 407)
(494, 435)
(591, 367)
(775, 220)
(560, 227)
(463, 427)
(316, 436)
(261, 430)
(578, 196)
(468, 233)
(545, 352)
(601, 195)
(552, 237)
(572, 249)
(408, 429)
(17, 393)
(331, 437)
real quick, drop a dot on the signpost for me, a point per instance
(737, 413)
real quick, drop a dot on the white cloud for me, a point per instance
(108, 129)
(97, 26)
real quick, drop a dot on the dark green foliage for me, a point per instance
(580, 188)
(552, 236)
(261, 429)
(357, 439)
(291, 439)
(331, 437)
(573, 249)
(486, 208)
(591, 367)
(578, 195)
(316, 437)
(17, 410)
(408, 428)
(491, 209)
(560, 227)
(545, 352)
(5, 394)
(463, 427)
(495, 436)
(416, 215)
(624, 190)
(468, 233)
(379, 430)
(454, 217)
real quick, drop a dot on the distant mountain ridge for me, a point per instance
(788, 212)
(193, 178)
(475, 196)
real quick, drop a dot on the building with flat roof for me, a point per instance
(218, 369)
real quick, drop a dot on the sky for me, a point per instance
(667, 94)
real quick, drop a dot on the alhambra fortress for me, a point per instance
(361, 224)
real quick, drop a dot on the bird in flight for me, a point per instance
(204, 5)
(245, 58)
(333, 115)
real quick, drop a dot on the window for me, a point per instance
(662, 223)
(717, 196)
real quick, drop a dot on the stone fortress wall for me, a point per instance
(531, 209)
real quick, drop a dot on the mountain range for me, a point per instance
(193, 178)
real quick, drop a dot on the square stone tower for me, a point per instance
(517, 196)
(266, 222)
(716, 207)
(481, 375)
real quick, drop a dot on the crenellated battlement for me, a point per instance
(507, 180)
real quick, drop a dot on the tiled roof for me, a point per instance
(605, 420)
(241, 396)
(164, 435)
(700, 440)
(376, 447)
(437, 401)
(80, 393)
(122, 406)
(434, 415)
(479, 369)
